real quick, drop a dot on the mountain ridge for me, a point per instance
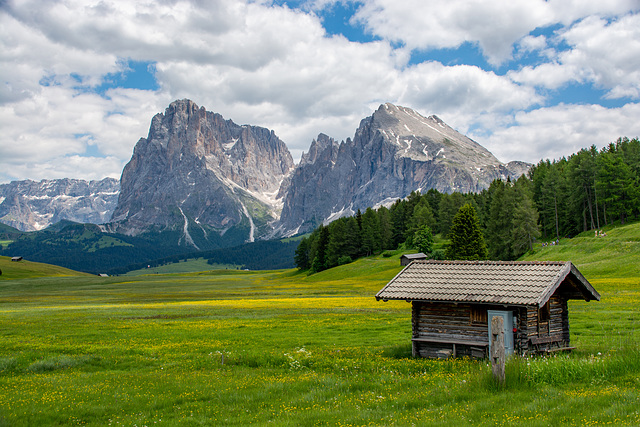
(30, 206)
(394, 151)
(205, 180)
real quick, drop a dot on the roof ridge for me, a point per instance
(491, 262)
(484, 282)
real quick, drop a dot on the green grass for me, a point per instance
(105, 242)
(188, 266)
(616, 255)
(287, 349)
(26, 269)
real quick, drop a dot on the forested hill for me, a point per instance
(588, 189)
(560, 198)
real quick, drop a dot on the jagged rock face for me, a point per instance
(196, 167)
(394, 152)
(197, 172)
(30, 206)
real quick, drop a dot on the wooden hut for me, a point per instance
(453, 303)
(408, 258)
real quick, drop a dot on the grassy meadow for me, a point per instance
(286, 349)
(187, 266)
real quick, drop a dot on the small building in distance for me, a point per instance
(16, 258)
(453, 303)
(407, 258)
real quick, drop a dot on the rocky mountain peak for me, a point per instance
(394, 151)
(322, 147)
(199, 170)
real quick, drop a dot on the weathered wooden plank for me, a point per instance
(497, 348)
(451, 340)
(546, 340)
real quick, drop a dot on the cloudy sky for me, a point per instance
(528, 79)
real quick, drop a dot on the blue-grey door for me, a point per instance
(507, 317)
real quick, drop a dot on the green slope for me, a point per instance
(615, 255)
(189, 266)
(26, 269)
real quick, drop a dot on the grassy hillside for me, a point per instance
(283, 348)
(615, 255)
(185, 266)
(27, 269)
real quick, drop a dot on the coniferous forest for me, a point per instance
(561, 198)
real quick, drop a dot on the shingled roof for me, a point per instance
(489, 282)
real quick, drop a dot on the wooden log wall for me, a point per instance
(447, 322)
(521, 339)
(454, 322)
(555, 330)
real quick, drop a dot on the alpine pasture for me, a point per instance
(287, 349)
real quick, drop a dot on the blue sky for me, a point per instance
(527, 79)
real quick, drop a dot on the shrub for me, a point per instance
(344, 260)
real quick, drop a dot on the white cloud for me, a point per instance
(550, 75)
(495, 26)
(561, 130)
(74, 166)
(604, 54)
(267, 65)
(532, 43)
(462, 89)
(41, 133)
(569, 11)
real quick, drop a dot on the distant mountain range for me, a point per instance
(202, 182)
(31, 206)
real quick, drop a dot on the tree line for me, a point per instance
(589, 189)
(561, 198)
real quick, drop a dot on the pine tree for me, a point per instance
(525, 227)
(500, 222)
(423, 240)
(449, 205)
(370, 232)
(320, 261)
(422, 215)
(386, 228)
(620, 192)
(467, 242)
(301, 257)
(398, 214)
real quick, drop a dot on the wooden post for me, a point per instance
(497, 348)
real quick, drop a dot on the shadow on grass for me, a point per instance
(400, 351)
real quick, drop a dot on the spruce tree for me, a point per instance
(423, 240)
(386, 228)
(467, 242)
(370, 232)
(301, 257)
(320, 261)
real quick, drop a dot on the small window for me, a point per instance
(478, 315)
(544, 313)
